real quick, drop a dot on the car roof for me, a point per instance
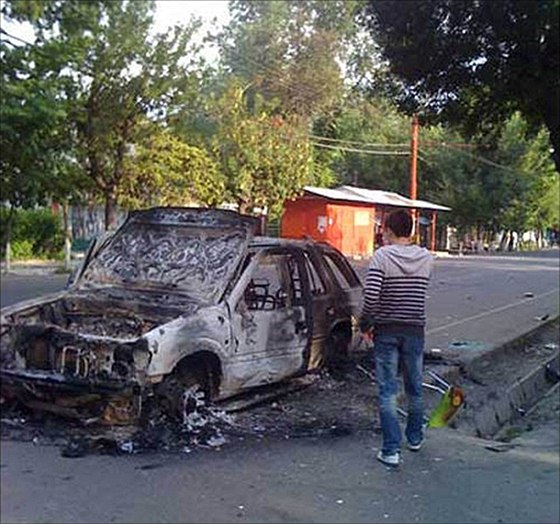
(260, 241)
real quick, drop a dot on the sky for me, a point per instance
(214, 14)
(170, 12)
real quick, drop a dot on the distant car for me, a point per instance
(178, 298)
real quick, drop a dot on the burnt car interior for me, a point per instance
(275, 283)
(258, 296)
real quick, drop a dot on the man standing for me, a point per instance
(394, 316)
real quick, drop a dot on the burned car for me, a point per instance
(178, 298)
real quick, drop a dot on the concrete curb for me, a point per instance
(519, 396)
(518, 399)
(37, 269)
(470, 364)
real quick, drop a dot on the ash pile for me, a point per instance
(201, 426)
(314, 406)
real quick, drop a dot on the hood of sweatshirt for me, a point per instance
(408, 259)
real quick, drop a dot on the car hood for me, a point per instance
(186, 250)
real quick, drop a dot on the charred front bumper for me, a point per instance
(54, 370)
(40, 383)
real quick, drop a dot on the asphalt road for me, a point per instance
(468, 296)
(17, 287)
(336, 479)
(483, 300)
(453, 479)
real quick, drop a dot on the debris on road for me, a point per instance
(328, 408)
(543, 318)
(499, 447)
(467, 345)
(319, 410)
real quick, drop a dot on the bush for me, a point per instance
(22, 250)
(39, 228)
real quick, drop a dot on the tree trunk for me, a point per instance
(9, 229)
(243, 207)
(263, 223)
(67, 235)
(539, 238)
(504, 241)
(110, 209)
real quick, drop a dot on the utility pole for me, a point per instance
(413, 173)
(414, 158)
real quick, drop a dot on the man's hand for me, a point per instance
(365, 325)
(367, 336)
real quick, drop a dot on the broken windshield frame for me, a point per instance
(195, 261)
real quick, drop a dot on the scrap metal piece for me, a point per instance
(448, 407)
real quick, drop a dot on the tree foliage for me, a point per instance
(266, 159)
(115, 73)
(29, 114)
(514, 186)
(98, 105)
(474, 62)
(290, 52)
(356, 124)
(165, 171)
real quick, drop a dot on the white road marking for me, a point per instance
(490, 312)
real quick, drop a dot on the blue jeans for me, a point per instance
(390, 353)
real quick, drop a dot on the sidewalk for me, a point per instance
(38, 267)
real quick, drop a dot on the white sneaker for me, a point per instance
(415, 447)
(389, 460)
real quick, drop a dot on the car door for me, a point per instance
(349, 289)
(269, 320)
(322, 307)
(346, 279)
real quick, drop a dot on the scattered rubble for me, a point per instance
(325, 407)
(316, 406)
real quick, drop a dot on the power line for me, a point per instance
(364, 151)
(3, 31)
(359, 142)
(306, 91)
(463, 145)
(480, 159)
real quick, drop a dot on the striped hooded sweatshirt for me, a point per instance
(395, 290)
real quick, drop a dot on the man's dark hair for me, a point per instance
(400, 223)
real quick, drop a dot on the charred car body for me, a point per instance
(178, 298)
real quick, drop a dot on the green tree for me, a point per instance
(165, 171)
(511, 187)
(31, 137)
(289, 52)
(531, 190)
(371, 143)
(115, 74)
(266, 159)
(472, 62)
